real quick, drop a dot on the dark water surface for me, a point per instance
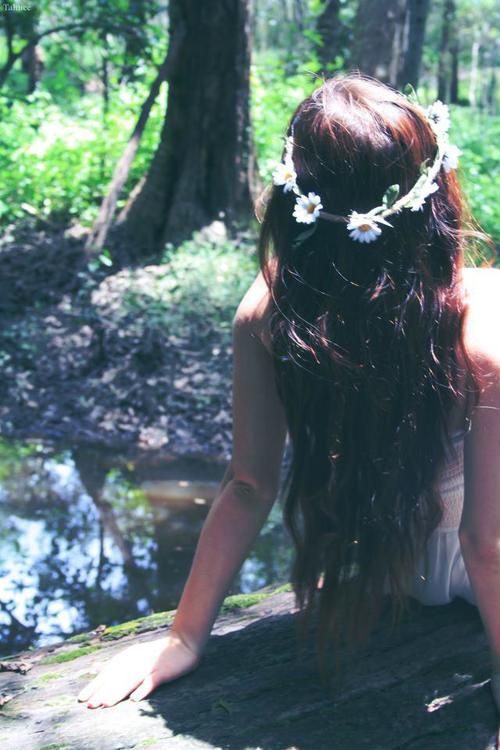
(87, 538)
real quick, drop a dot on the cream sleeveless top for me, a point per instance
(445, 576)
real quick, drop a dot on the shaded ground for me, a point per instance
(137, 359)
(424, 687)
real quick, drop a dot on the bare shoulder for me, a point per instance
(254, 309)
(482, 336)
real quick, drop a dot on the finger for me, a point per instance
(111, 694)
(90, 688)
(146, 687)
(97, 683)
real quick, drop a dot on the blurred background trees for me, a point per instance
(88, 93)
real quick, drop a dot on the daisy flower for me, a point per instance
(307, 208)
(286, 176)
(363, 228)
(439, 117)
(450, 160)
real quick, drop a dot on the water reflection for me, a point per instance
(86, 538)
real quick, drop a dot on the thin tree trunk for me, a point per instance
(97, 237)
(11, 57)
(202, 169)
(474, 71)
(418, 11)
(377, 34)
(444, 68)
(491, 92)
(31, 58)
(328, 26)
(134, 43)
(32, 62)
(454, 82)
(299, 12)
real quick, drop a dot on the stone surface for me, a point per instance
(423, 686)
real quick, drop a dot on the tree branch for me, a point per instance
(15, 56)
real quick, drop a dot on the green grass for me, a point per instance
(69, 655)
(242, 601)
(198, 284)
(80, 638)
(49, 677)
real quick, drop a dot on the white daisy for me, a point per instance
(285, 175)
(439, 117)
(450, 160)
(363, 228)
(307, 208)
(418, 203)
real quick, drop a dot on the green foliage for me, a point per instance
(57, 163)
(59, 147)
(478, 135)
(274, 97)
(200, 280)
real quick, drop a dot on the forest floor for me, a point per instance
(134, 359)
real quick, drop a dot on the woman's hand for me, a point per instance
(139, 669)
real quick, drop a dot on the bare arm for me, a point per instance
(480, 526)
(245, 498)
(241, 509)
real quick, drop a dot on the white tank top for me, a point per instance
(446, 577)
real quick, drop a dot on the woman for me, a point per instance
(366, 339)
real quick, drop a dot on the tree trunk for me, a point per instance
(454, 82)
(32, 62)
(202, 169)
(474, 70)
(378, 30)
(328, 26)
(444, 71)
(491, 92)
(418, 11)
(136, 42)
(97, 238)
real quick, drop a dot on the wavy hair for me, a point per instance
(368, 350)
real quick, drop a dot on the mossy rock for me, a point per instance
(69, 655)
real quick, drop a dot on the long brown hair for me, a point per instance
(369, 352)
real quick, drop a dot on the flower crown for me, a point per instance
(367, 227)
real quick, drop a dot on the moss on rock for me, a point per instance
(69, 655)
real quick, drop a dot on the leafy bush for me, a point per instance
(199, 279)
(478, 135)
(60, 162)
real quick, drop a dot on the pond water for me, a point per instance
(87, 538)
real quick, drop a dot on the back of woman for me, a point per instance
(367, 342)
(367, 332)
